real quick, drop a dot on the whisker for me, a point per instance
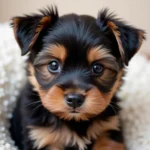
(32, 93)
(114, 105)
(33, 110)
(113, 108)
(32, 103)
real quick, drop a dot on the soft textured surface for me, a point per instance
(11, 78)
(135, 94)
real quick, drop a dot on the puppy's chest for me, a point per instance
(65, 138)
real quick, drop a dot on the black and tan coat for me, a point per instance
(77, 55)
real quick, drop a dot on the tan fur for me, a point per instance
(99, 127)
(104, 57)
(44, 136)
(57, 139)
(103, 143)
(45, 75)
(58, 51)
(114, 28)
(107, 77)
(32, 78)
(117, 84)
(98, 53)
(42, 24)
(95, 102)
(44, 57)
(51, 53)
(53, 100)
(15, 28)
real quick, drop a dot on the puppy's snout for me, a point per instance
(74, 99)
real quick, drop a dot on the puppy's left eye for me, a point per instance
(97, 69)
(54, 67)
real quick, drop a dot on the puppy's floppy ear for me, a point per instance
(27, 29)
(129, 39)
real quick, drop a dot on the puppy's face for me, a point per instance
(76, 62)
(76, 83)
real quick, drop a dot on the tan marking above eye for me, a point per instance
(102, 56)
(58, 51)
(97, 53)
(51, 52)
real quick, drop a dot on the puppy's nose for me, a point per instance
(74, 100)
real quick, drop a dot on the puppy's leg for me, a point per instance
(112, 140)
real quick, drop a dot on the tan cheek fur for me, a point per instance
(96, 101)
(53, 100)
(32, 78)
(116, 85)
(45, 136)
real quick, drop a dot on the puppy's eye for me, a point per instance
(97, 69)
(54, 67)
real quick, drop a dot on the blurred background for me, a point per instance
(136, 12)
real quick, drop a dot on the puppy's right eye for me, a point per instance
(54, 66)
(97, 69)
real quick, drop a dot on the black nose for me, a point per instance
(74, 100)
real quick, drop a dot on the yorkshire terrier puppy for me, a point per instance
(75, 67)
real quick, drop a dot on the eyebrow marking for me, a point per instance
(97, 53)
(54, 51)
(103, 56)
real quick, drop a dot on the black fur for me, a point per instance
(39, 116)
(78, 34)
(27, 28)
(128, 34)
(116, 135)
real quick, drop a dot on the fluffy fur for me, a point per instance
(77, 43)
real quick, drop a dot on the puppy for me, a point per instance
(75, 67)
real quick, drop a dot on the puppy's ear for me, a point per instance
(27, 29)
(129, 39)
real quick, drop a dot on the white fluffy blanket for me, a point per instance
(135, 94)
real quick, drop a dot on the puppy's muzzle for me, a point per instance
(74, 99)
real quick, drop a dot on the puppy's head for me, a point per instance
(76, 62)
